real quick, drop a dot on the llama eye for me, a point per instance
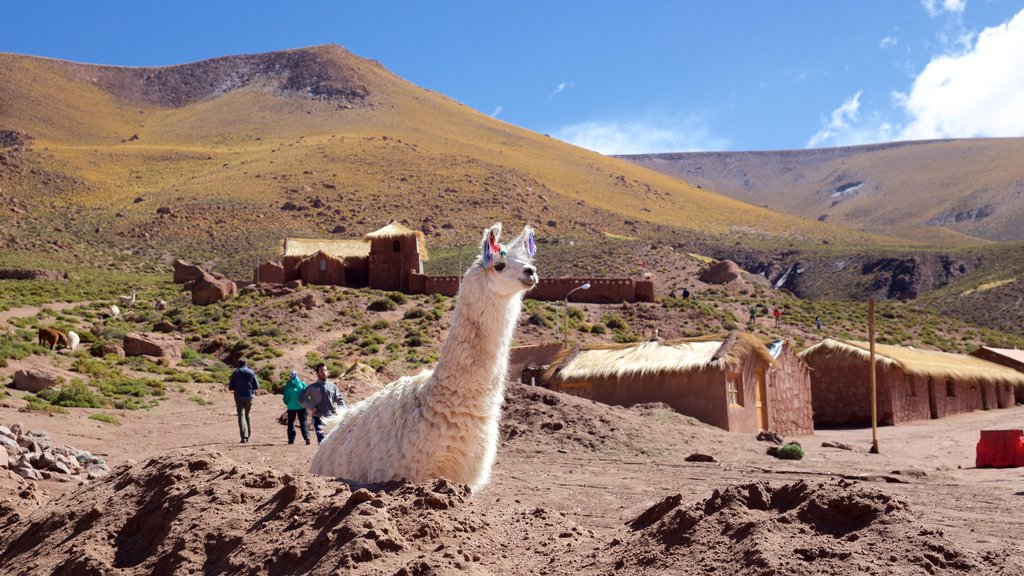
(499, 266)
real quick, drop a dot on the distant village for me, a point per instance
(735, 382)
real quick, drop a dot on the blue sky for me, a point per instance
(617, 77)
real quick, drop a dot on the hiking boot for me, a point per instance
(307, 441)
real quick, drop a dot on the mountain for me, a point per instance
(115, 166)
(946, 191)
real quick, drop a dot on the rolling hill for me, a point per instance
(219, 147)
(937, 191)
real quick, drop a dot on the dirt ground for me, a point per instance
(578, 487)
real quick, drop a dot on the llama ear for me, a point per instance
(489, 247)
(524, 243)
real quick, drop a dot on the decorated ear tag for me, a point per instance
(531, 246)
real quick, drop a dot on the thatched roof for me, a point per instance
(920, 362)
(337, 248)
(1011, 353)
(396, 230)
(655, 357)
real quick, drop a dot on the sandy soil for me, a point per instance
(578, 487)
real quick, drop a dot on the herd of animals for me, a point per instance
(441, 422)
(56, 339)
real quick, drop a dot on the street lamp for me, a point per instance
(565, 331)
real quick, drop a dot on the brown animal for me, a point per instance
(52, 338)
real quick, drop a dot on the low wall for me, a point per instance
(602, 290)
(24, 274)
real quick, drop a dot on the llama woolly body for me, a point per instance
(441, 422)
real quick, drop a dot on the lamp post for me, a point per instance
(565, 330)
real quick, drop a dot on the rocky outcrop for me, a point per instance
(210, 289)
(31, 380)
(32, 455)
(151, 344)
(186, 272)
(721, 273)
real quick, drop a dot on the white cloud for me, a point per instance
(937, 7)
(562, 86)
(888, 42)
(840, 123)
(497, 111)
(642, 135)
(979, 92)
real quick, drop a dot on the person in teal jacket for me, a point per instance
(292, 389)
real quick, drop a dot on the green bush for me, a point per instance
(105, 418)
(381, 305)
(397, 297)
(414, 313)
(791, 451)
(75, 395)
(200, 400)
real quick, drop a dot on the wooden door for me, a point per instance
(761, 399)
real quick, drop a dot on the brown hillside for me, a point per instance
(933, 190)
(225, 143)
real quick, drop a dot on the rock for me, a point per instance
(834, 444)
(5, 431)
(721, 273)
(319, 203)
(186, 272)
(152, 344)
(164, 210)
(42, 439)
(28, 473)
(770, 436)
(105, 349)
(289, 206)
(10, 444)
(164, 326)
(31, 380)
(698, 457)
(138, 199)
(209, 289)
(339, 229)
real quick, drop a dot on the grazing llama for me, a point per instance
(442, 422)
(73, 340)
(127, 301)
(114, 311)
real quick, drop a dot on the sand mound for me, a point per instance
(538, 416)
(197, 511)
(838, 527)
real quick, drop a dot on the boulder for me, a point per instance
(31, 380)
(209, 289)
(105, 349)
(42, 439)
(721, 273)
(164, 326)
(153, 344)
(186, 272)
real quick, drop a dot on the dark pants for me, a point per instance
(303, 427)
(318, 427)
(243, 406)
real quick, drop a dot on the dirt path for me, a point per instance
(26, 311)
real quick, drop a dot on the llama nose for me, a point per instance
(529, 271)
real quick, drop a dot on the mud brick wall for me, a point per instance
(966, 396)
(789, 395)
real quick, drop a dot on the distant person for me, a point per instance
(778, 317)
(243, 383)
(292, 390)
(686, 294)
(817, 320)
(672, 294)
(753, 314)
(322, 399)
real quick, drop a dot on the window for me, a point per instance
(950, 388)
(396, 246)
(734, 389)
(911, 385)
(323, 265)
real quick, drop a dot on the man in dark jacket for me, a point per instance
(244, 384)
(322, 399)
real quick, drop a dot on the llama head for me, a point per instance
(507, 269)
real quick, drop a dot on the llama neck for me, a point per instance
(474, 357)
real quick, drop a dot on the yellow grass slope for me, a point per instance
(228, 157)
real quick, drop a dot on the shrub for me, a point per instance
(414, 313)
(397, 297)
(200, 400)
(76, 395)
(107, 418)
(615, 323)
(381, 305)
(791, 451)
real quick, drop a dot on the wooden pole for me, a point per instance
(874, 384)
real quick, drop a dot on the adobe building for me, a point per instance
(733, 383)
(316, 261)
(911, 384)
(1011, 358)
(396, 252)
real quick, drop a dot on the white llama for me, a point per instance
(114, 311)
(73, 340)
(442, 422)
(127, 300)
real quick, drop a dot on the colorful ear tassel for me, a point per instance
(531, 246)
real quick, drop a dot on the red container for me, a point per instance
(1000, 449)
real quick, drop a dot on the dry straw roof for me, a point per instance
(920, 362)
(396, 230)
(655, 357)
(1011, 353)
(337, 248)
